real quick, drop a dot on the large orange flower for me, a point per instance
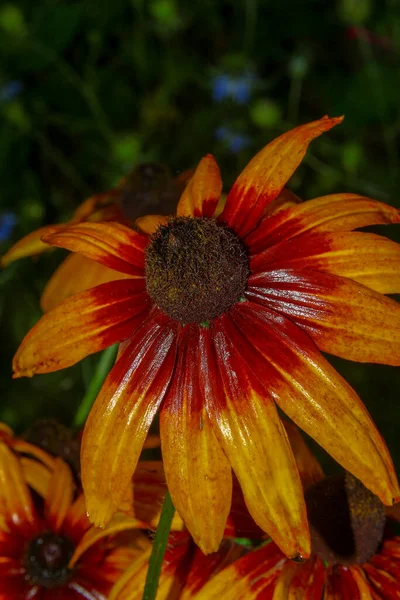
(224, 317)
(48, 548)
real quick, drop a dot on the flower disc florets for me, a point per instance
(346, 520)
(47, 558)
(195, 269)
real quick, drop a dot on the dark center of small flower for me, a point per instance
(195, 269)
(346, 520)
(47, 558)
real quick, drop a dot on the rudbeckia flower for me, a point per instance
(149, 186)
(48, 548)
(222, 320)
(355, 554)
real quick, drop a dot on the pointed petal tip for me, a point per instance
(99, 511)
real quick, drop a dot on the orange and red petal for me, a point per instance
(75, 274)
(372, 260)
(253, 438)
(315, 396)
(343, 583)
(252, 577)
(301, 581)
(30, 245)
(343, 317)
(337, 212)
(267, 173)
(81, 325)
(122, 414)
(197, 471)
(200, 196)
(112, 244)
(17, 512)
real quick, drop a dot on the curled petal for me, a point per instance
(122, 414)
(30, 245)
(75, 274)
(118, 524)
(111, 244)
(197, 471)
(343, 317)
(82, 325)
(369, 259)
(200, 196)
(253, 438)
(267, 173)
(337, 212)
(315, 396)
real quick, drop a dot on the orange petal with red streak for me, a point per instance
(369, 259)
(343, 317)
(200, 196)
(82, 325)
(337, 212)
(315, 396)
(197, 471)
(75, 274)
(122, 414)
(267, 173)
(252, 436)
(112, 244)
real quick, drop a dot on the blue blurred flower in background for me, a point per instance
(234, 140)
(8, 220)
(10, 90)
(237, 88)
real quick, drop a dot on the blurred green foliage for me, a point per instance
(87, 89)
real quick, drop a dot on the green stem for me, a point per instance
(158, 550)
(106, 361)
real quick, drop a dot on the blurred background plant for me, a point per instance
(89, 89)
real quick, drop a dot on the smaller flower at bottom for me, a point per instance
(355, 555)
(48, 548)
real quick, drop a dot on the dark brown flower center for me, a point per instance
(47, 558)
(346, 520)
(195, 269)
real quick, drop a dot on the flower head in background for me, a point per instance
(48, 549)
(148, 187)
(226, 310)
(355, 555)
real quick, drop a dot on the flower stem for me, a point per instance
(158, 550)
(106, 361)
